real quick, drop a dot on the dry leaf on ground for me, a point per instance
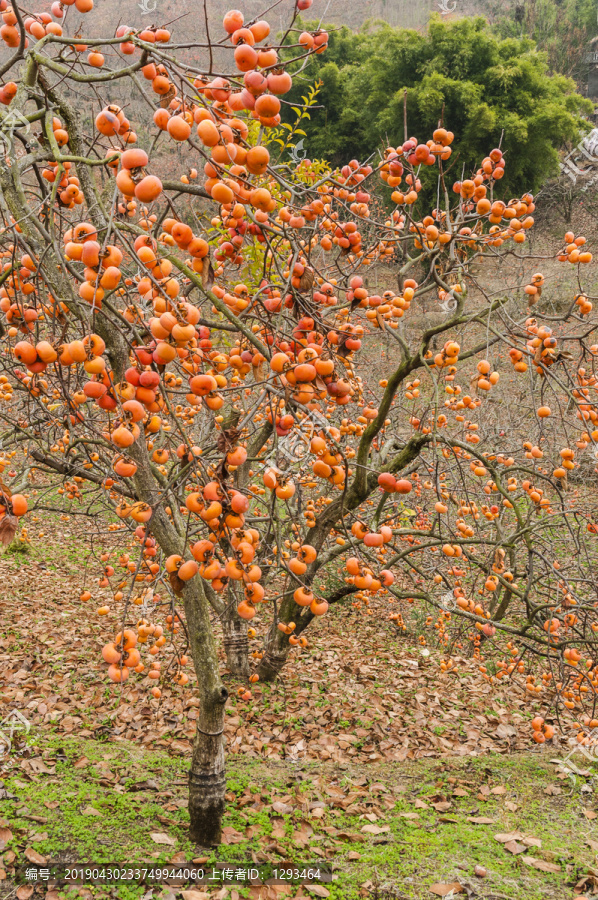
(446, 890)
(158, 837)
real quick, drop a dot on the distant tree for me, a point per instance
(560, 27)
(489, 91)
(563, 195)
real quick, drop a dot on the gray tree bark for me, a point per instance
(236, 641)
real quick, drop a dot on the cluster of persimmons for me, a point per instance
(201, 349)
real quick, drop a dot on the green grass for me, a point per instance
(438, 845)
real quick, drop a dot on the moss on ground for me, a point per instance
(101, 801)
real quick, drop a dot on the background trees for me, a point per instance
(487, 88)
(563, 30)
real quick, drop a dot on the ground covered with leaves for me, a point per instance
(363, 691)
(415, 830)
(365, 754)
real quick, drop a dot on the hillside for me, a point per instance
(405, 13)
(189, 18)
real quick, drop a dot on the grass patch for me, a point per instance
(82, 800)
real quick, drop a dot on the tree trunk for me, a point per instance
(207, 780)
(236, 642)
(207, 783)
(272, 661)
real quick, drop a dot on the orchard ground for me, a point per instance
(399, 774)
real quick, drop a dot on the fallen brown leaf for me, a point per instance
(511, 836)
(158, 837)
(34, 857)
(230, 835)
(540, 864)
(532, 841)
(515, 848)
(24, 892)
(442, 805)
(282, 808)
(375, 829)
(443, 890)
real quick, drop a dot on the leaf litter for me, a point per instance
(382, 702)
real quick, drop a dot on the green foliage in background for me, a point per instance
(562, 28)
(486, 89)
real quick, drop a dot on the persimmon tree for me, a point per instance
(198, 358)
